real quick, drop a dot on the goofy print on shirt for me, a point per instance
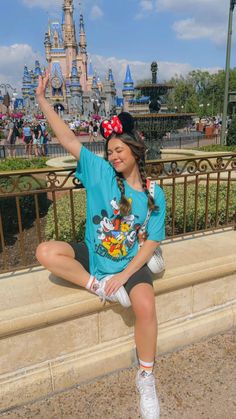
(116, 234)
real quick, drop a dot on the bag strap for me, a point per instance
(151, 188)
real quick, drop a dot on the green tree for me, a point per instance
(231, 137)
(183, 97)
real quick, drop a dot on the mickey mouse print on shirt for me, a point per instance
(116, 234)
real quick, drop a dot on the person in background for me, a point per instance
(95, 130)
(90, 131)
(28, 139)
(13, 134)
(37, 134)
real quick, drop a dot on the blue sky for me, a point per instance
(180, 34)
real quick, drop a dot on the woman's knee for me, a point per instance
(146, 311)
(144, 306)
(46, 252)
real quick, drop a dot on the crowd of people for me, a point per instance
(33, 135)
(90, 127)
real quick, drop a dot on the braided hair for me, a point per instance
(137, 146)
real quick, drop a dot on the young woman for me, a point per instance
(109, 263)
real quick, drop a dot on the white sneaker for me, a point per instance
(149, 405)
(120, 296)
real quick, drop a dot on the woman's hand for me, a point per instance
(115, 283)
(42, 85)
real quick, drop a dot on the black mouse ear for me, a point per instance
(127, 121)
(102, 130)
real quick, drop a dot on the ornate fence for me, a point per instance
(50, 204)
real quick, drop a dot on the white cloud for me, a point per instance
(140, 70)
(191, 6)
(96, 12)
(145, 7)
(192, 29)
(44, 4)
(203, 19)
(12, 61)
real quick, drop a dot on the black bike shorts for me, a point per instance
(143, 275)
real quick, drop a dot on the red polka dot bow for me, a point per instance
(114, 125)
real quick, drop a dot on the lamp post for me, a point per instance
(227, 69)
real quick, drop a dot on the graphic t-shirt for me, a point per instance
(111, 238)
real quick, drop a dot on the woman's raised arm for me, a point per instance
(63, 133)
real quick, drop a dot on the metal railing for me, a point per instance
(49, 204)
(56, 150)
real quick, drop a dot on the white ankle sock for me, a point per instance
(146, 366)
(92, 284)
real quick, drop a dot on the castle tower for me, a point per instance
(26, 86)
(76, 103)
(90, 76)
(47, 45)
(69, 35)
(109, 91)
(82, 59)
(128, 89)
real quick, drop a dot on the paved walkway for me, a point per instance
(198, 382)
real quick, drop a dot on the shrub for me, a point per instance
(217, 147)
(64, 216)
(22, 164)
(190, 211)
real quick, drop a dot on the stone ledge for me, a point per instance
(34, 299)
(80, 302)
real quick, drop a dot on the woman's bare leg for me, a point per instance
(59, 258)
(143, 304)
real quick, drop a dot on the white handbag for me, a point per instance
(156, 264)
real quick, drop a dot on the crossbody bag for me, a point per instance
(156, 263)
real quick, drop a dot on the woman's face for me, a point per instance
(120, 156)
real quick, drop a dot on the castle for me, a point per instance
(74, 87)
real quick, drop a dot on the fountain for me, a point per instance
(155, 125)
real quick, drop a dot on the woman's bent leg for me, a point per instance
(59, 258)
(143, 304)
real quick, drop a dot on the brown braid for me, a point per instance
(125, 206)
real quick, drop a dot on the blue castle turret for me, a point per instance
(26, 87)
(76, 100)
(128, 88)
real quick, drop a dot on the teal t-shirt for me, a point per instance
(112, 239)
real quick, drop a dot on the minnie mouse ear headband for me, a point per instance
(123, 123)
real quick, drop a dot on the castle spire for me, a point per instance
(128, 88)
(82, 42)
(69, 26)
(128, 82)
